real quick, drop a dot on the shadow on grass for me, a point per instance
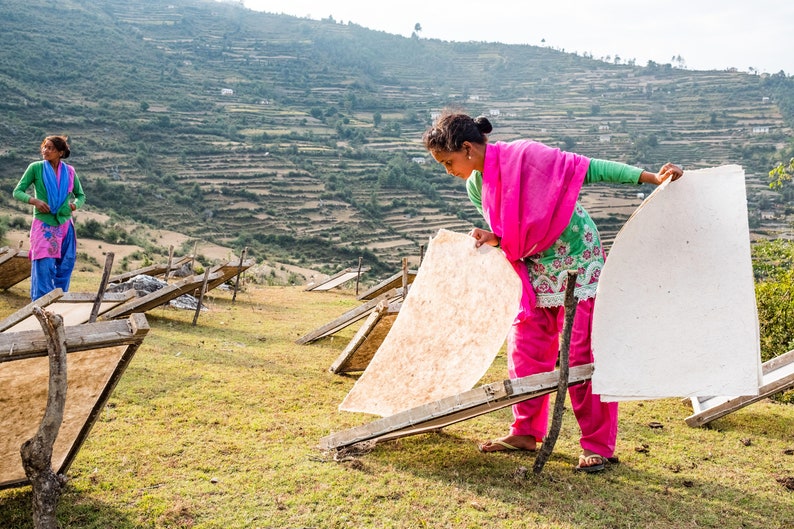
(16, 297)
(753, 422)
(629, 494)
(16, 512)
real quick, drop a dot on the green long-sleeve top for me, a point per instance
(579, 246)
(34, 176)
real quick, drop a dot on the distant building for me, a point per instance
(419, 159)
(758, 129)
(494, 112)
(227, 92)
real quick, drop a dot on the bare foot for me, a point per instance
(510, 443)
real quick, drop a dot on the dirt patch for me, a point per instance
(166, 239)
(284, 274)
(99, 249)
(93, 248)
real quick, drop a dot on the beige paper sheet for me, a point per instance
(675, 312)
(451, 325)
(24, 398)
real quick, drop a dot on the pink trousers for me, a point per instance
(533, 347)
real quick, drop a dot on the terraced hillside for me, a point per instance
(301, 138)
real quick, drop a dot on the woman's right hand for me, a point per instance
(40, 205)
(484, 237)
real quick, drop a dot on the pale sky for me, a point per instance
(707, 34)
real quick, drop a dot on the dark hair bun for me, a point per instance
(483, 125)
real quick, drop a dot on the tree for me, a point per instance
(781, 174)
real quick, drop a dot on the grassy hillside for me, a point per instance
(216, 426)
(301, 138)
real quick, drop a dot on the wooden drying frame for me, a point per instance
(103, 349)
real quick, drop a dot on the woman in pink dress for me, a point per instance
(528, 194)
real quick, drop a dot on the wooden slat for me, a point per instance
(151, 270)
(97, 355)
(456, 408)
(29, 344)
(75, 307)
(387, 284)
(26, 311)
(349, 317)
(90, 297)
(337, 279)
(363, 346)
(158, 297)
(778, 375)
(226, 271)
(14, 267)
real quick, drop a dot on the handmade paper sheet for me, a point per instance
(450, 327)
(675, 312)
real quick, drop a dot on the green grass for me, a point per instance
(217, 426)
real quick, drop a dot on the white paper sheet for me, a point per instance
(450, 327)
(675, 312)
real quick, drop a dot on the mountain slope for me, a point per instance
(301, 138)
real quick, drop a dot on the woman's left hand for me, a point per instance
(668, 170)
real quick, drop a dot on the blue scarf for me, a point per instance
(56, 191)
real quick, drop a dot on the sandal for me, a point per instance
(591, 463)
(500, 445)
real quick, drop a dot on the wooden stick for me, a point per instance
(170, 259)
(239, 273)
(405, 277)
(562, 385)
(36, 452)
(201, 296)
(193, 257)
(358, 275)
(103, 284)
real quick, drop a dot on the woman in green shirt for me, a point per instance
(528, 193)
(57, 193)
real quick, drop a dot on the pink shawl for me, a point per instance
(529, 192)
